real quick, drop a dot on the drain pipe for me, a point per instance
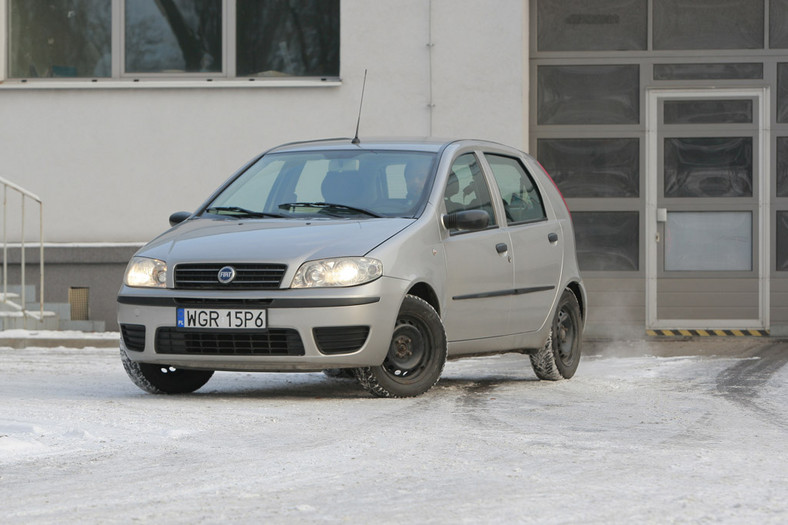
(430, 45)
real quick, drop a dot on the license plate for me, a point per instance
(220, 318)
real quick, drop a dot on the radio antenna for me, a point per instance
(360, 105)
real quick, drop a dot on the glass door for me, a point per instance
(705, 201)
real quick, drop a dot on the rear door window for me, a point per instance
(521, 199)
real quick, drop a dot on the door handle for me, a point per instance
(552, 237)
(501, 247)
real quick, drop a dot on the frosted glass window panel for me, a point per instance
(778, 24)
(580, 25)
(183, 36)
(290, 38)
(708, 24)
(708, 111)
(593, 167)
(60, 38)
(782, 93)
(708, 241)
(708, 167)
(607, 241)
(782, 241)
(722, 71)
(588, 94)
(782, 166)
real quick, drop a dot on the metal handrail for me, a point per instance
(25, 195)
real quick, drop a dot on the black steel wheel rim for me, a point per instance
(565, 333)
(410, 349)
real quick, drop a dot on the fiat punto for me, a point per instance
(372, 259)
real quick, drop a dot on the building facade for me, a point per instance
(662, 121)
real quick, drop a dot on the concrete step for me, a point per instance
(83, 326)
(29, 321)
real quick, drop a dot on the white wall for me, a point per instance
(111, 164)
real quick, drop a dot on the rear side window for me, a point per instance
(521, 198)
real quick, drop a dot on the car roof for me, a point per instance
(426, 144)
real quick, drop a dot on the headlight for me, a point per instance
(144, 272)
(346, 271)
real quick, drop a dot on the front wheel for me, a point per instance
(163, 379)
(416, 356)
(559, 357)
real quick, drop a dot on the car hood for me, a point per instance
(287, 241)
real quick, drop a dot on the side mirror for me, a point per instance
(466, 220)
(179, 216)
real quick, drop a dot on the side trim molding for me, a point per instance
(501, 293)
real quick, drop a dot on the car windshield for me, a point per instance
(332, 183)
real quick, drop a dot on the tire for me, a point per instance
(163, 379)
(416, 356)
(559, 357)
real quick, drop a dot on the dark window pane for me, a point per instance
(592, 167)
(607, 241)
(708, 111)
(588, 94)
(708, 167)
(778, 24)
(782, 166)
(579, 25)
(728, 71)
(782, 93)
(467, 189)
(782, 241)
(173, 36)
(60, 38)
(287, 38)
(708, 24)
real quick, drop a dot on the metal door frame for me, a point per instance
(653, 97)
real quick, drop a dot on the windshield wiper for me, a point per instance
(326, 205)
(237, 211)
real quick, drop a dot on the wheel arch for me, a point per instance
(577, 289)
(424, 291)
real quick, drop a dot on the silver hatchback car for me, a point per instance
(373, 259)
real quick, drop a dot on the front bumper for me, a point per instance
(373, 305)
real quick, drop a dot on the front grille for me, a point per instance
(247, 276)
(229, 342)
(201, 302)
(133, 336)
(340, 339)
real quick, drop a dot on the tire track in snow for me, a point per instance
(743, 382)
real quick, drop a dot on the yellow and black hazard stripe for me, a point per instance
(707, 333)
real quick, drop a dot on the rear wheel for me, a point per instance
(164, 379)
(559, 357)
(416, 356)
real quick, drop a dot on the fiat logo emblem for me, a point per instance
(226, 275)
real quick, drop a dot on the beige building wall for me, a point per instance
(112, 159)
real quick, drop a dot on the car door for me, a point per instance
(479, 272)
(536, 243)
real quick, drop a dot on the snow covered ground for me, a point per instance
(629, 439)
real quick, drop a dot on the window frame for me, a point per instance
(121, 78)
